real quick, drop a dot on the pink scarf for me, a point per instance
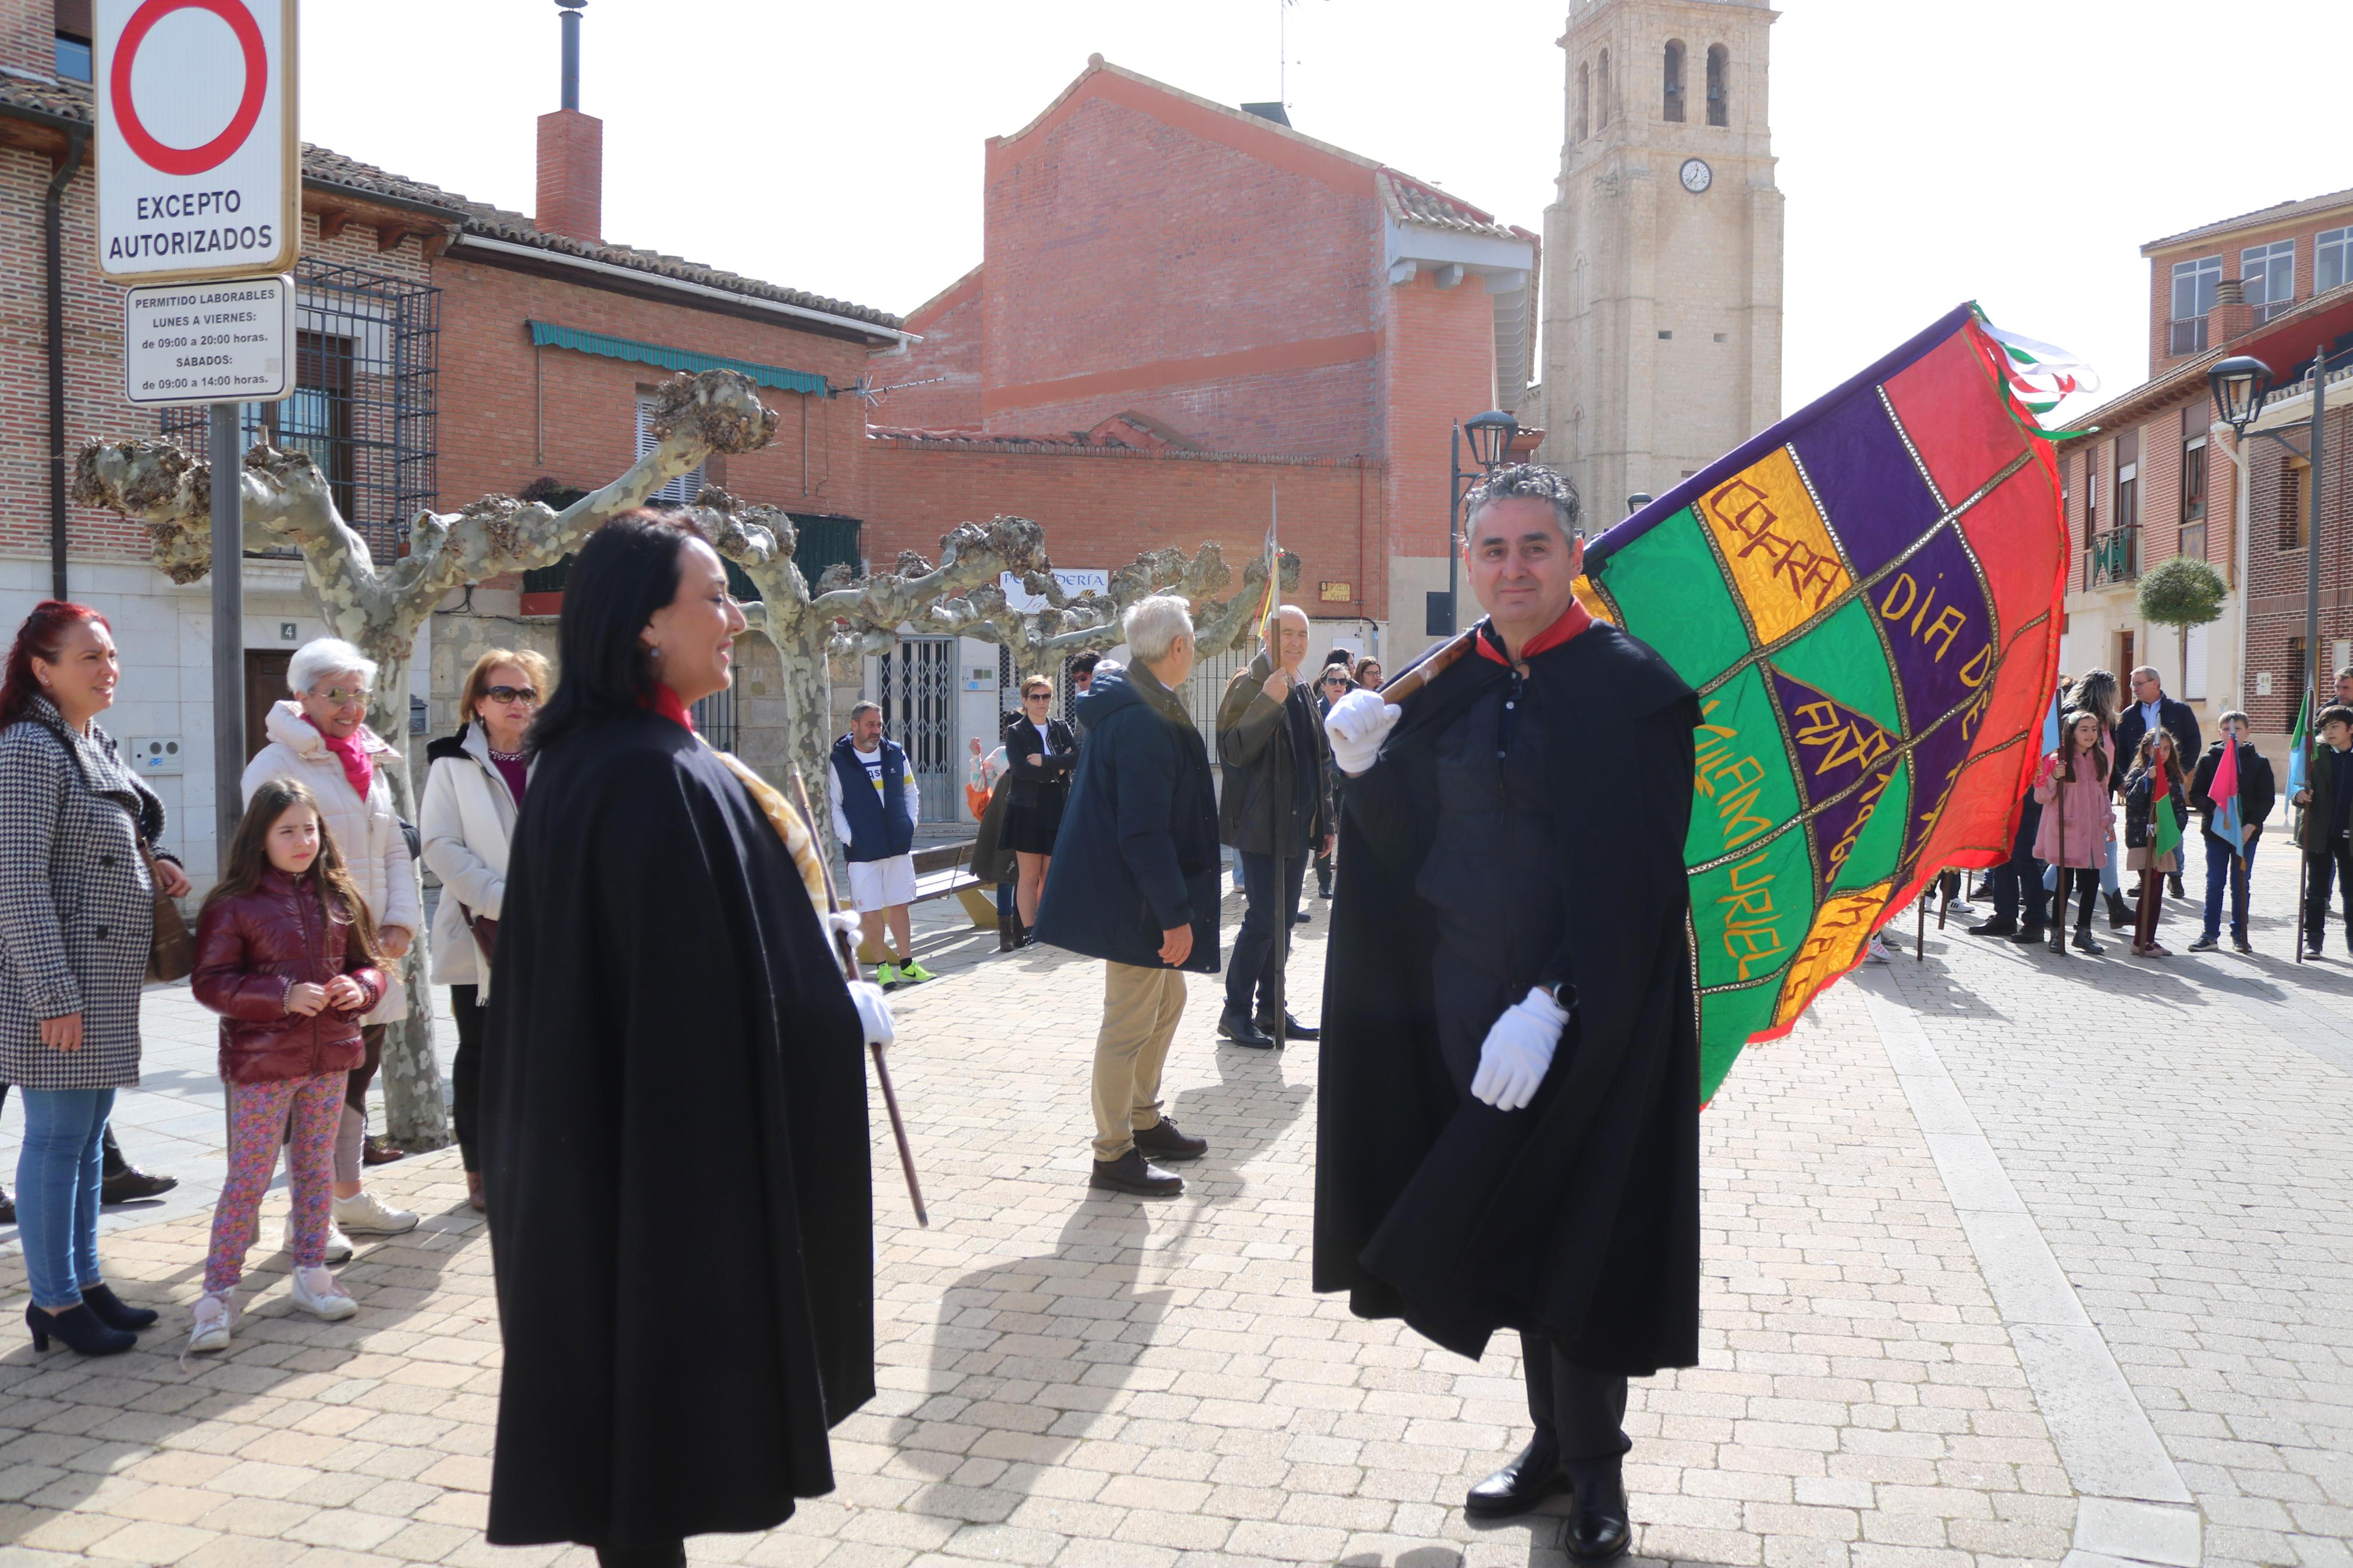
(359, 769)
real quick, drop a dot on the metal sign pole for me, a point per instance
(228, 630)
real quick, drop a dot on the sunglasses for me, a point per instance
(1036, 697)
(511, 693)
(347, 696)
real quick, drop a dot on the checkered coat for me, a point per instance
(77, 907)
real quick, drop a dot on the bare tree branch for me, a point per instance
(285, 501)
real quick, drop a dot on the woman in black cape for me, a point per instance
(674, 1133)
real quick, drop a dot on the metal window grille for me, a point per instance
(714, 718)
(2332, 259)
(364, 403)
(919, 699)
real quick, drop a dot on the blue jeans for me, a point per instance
(2223, 867)
(1256, 968)
(57, 1176)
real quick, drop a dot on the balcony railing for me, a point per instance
(2186, 336)
(2112, 557)
(2264, 312)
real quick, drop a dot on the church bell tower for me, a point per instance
(1663, 248)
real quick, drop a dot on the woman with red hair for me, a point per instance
(77, 914)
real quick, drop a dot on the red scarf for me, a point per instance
(359, 768)
(1573, 620)
(665, 702)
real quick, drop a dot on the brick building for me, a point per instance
(447, 349)
(1184, 311)
(2153, 477)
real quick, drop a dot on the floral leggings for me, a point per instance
(257, 1115)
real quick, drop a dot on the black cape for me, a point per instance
(1578, 1215)
(674, 1148)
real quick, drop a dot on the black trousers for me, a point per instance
(466, 1070)
(2019, 880)
(1583, 1413)
(2332, 864)
(2085, 879)
(673, 1556)
(355, 1084)
(1271, 900)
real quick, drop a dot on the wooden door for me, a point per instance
(265, 683)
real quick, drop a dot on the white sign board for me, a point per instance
(1084, 580)
(199, 168)
(209, 342)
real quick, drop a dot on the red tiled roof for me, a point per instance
(2278, 212)
(70, 101)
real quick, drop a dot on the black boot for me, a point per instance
(80, 1328)
(2083, 942)
(1132, 1173)
(1519, 1486)
(124, 1181)
(7, 1207)
(1292, 1029)
(116, 1313)
(2027, 936)
(1598, 1529)
(2058, 940)
(2120, 914)
(1241, 1030)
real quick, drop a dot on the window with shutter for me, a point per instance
(681, 490)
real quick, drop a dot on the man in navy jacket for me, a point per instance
(876, 804)
(1134, 883)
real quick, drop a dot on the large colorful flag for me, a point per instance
(1866, 599)
(2225, 823)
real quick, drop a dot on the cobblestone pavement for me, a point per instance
(1072, 1379)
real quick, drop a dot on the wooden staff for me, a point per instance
(849, 956)
(1430, 669)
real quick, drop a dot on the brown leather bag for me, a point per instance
(172, 950)
(485, 929)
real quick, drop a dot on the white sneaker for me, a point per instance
(1877, 952)
(368, 1214)
(339, 1246)
(317, 1293)
(215, 1316)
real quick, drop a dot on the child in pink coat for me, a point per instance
(2078, 820)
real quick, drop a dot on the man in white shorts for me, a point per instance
(876, 804)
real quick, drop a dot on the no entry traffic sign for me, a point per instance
(199, 167)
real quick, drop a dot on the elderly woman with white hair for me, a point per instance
(320, 738)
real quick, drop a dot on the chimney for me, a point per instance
(2232, 315)
(571, 152)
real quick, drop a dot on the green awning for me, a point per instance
(545, 334)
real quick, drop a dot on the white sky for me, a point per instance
(2017, 151)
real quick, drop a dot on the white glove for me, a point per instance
(873, 1012)
(1358, 725)
(1518, 1049)
(846, 921)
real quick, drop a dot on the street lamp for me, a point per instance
(1492, 435)
(2239, 385)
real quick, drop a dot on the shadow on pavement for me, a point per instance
(54, 1458)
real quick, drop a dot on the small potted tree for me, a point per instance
(2182, 592)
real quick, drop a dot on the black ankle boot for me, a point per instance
(1598, 1529)
(114, 1313)
(80, 1328)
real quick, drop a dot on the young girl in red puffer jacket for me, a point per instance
(286, 955)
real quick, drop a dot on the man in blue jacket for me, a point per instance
(876, 804)
(1134, 883)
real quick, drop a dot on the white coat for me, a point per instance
(467, 820)
(367, 831)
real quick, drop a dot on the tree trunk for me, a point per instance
(415, 1116)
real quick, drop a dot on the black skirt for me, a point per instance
(1030, 829)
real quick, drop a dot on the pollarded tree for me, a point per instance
(379, 609)
(845, 617)
(2182, 592)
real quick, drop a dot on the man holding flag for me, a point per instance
(1508, 1116)
(2233, 793)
